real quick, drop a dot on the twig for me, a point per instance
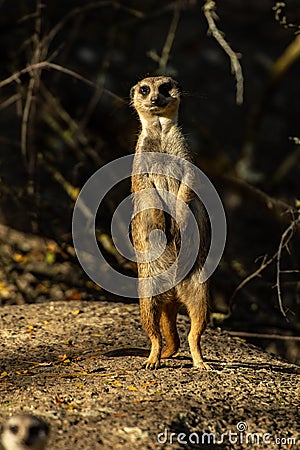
(71, 190)
(81, 374)
(285, 239)
(209, 10)
(278, 337)
(165, 54)
(31, 90)
(278, 70)
(76, 133)
(48, 65)
(89, 7)
(100, 83)
(25, 119)
(295, 139)
(10, 101)
(280, 17)
(265, 263)
(288, 164)
(272, 203)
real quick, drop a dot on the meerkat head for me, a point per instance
(156, 96)
(24, 432)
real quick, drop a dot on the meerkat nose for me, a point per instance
(155, 100)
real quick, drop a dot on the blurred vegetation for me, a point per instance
(66, 72)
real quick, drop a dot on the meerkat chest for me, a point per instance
(161, 173)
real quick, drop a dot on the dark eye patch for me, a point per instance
(165, 88)
(144, 90)
(34, 430)
(14, 429)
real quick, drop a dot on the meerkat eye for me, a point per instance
(144, 90)
(34, 430)
(165, 88)
(14, 429)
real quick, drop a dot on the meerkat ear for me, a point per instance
(131, 93)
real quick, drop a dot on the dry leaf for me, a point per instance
(59, 400)
(91, 285)
(5, 290)
(50, 257)
(4, 374)
(148, 383)
(19, 258)
(64, 358)
(74, 296)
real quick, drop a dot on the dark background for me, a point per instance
(58, 127)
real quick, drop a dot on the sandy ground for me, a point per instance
(54, 363)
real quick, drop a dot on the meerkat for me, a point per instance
(24, 432)
(156, 100)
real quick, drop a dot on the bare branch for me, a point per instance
(29, 112)
(280, 16)
(76, 131)
(165, 54)
(209, 10)
(71, 190)
(278, 70)
(10, 101)
(264, 264)
(48, 65)
(280, 207)
(285, 239)
(278, 337)
(89, 7)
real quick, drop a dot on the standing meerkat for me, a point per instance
(156, 100)
(24, 432)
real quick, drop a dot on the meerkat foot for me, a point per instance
(202, 365)
(151, 364)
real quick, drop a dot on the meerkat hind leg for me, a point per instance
(197, 308)
(150, 316)
(169, 329)
(197, 328)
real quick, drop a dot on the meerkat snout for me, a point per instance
(24, 432)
